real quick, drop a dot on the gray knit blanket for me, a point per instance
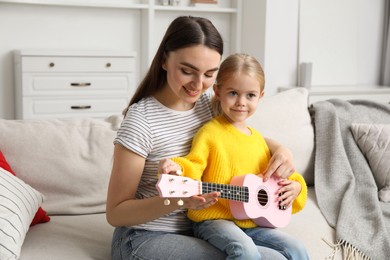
(345, 187)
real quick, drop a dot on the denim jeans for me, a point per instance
(138, 244)
(130, 243)
(243, 244)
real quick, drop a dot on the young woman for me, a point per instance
(225, 147)
(168, 108)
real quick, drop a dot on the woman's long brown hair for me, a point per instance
(184, 31)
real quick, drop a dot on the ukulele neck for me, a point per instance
(230, 192)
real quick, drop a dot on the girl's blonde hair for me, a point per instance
(238, 63)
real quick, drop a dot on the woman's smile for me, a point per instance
(192, 93)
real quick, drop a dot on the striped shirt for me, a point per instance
(156, 132)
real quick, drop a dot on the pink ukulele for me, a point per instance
(250, 197)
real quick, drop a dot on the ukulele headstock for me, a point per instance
(172, 186)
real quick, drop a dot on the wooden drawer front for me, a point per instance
(77, 64)
(75, 85)
(94, 107)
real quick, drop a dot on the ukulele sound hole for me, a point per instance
(262, 196)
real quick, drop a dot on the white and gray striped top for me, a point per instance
(156, 132)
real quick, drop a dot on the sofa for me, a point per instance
(66, 164)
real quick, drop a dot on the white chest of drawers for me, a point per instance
(54, 84)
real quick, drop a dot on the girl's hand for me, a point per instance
(288, 192)
(167, 166)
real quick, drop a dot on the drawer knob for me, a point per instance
(51, 64)
(80, 84)
(80, 107)
(108, 65)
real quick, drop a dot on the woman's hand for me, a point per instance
(281, 162)
(201, 201)
(288, 192)
(167, 166)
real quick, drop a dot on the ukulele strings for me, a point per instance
(234, 191)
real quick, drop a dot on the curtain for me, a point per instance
(385, 73)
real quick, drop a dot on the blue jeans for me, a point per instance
(128, 243)
(240, 243)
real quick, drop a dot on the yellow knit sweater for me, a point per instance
(219, 152)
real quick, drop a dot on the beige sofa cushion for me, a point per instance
(285, 118)
(67, 160)
(70, 237)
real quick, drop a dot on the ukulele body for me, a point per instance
(262, 207)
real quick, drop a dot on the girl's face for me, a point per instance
(239, 97)
(190, 72)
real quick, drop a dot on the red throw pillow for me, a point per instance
(40, 215)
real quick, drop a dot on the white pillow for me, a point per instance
(68, 160)
(374, 142)
(18, 204)
(285, 118)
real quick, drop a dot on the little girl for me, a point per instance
(226, 147)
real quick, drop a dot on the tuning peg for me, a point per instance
(180, 202)
(167, 202)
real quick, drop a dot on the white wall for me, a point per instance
(253, 30)
(50, 27)
(343, 39)
(270, 33)
(281, 44)
(370, 38)
(31, 26)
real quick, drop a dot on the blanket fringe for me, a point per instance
(349, 251)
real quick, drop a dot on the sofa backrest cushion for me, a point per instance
(68, 160)
(285, 118)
